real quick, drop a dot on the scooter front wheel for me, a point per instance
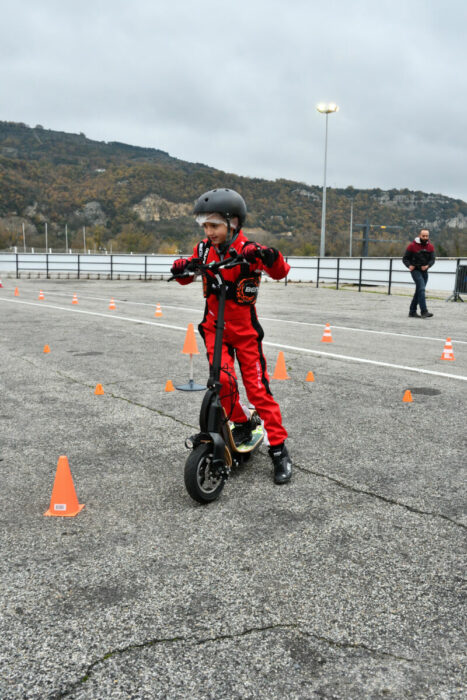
(201, 481)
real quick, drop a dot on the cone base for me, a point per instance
(191, 386)
(59, 514)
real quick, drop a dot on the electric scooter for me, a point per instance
(213, 450)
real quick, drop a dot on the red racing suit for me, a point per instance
(242, 335)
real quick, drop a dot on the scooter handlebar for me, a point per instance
(196, 266)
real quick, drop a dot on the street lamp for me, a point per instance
(327, 109)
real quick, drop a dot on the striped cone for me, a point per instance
(158, 310)
(327, 337)
(112, 306)
(447, 352)
(41, 296)
(75, 299)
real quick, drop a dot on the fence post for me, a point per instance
(47, 265)
(145, 267)
(337, 272)
(17, 267)
(390, 276)
(111, 267)
(317, 274)
(78, 264)
(360, 276)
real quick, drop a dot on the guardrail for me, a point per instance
(361, 272)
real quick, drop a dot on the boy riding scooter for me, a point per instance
(221, 213)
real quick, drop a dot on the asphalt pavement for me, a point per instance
(349, 582)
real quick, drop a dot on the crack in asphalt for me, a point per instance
(386, 499)
(219, 638)
(64, 375)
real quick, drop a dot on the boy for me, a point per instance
(221, 213)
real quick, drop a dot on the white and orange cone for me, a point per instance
(327, 336)
(447, 352)
(112, 306)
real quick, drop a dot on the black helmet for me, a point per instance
(227, 202)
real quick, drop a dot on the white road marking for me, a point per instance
(273, 320)
(270, 344)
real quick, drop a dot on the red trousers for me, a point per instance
(242, 339)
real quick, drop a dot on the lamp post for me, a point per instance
(327, 109)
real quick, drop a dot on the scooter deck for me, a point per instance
(257, 436)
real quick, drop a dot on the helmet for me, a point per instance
(227, 202)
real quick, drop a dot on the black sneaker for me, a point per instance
(426, 314)
(282, 464)
(242, 432)
(413, 314)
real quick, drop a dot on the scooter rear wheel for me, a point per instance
(201, 483)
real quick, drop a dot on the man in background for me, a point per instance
(419, 257)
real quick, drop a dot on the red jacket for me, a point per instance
(242, 280)
(419, 255)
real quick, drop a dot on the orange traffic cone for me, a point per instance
(112, 306)
(169, 386)
(158, 310)
(41, 295)
(407, 398)
(64, 500)
(46, 348)
(281, 371)
(75, 299)
(99, 390)
(310, 377)
(190, 347)
(327, 337)
(16, 292)
(447, 352)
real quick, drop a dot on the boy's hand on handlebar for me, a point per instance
(183, 265)
(179, 266)
(252, 251)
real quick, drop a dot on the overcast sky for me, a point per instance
(235, 84)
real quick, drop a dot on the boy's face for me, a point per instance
(217, 233)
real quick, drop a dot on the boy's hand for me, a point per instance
(252, 251)
(179, 266)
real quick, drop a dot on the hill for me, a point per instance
(140, 199)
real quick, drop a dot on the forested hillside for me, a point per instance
(140, 199)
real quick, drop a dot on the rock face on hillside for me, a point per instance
(154, 208)
(91, 214)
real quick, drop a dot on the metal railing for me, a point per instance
(356, 272)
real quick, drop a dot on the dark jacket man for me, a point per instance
(419, 257)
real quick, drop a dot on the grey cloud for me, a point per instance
(236, 85)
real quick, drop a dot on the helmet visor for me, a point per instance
(214, 218)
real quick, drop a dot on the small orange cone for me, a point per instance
(281, 371)
(112, 306)
(16, 292)
(46, 348)
(75, 299)
(310, 377)
(99, 390)
(407, 398)
(169, 386)
(64, 500)
(190, 347)
(327, 337)
(41, 295)
(447, 352)
(158, 310)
